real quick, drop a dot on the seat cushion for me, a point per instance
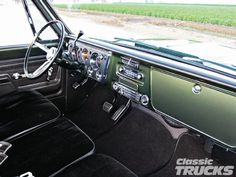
(46, 150)
(21, 110)
(97, 165)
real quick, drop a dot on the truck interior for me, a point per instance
(85, 107)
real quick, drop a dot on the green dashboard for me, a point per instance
(203, 107)
(193, 97)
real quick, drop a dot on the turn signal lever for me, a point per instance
(67, 62)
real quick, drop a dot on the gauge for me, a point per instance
(96, 60)
(93, 60)
(85, 54)
(99, 60)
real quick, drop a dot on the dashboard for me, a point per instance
(95, 63)
(91, 61)
(161, 85)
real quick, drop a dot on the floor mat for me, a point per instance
(188, 147)
(140, 142)
(91, 117)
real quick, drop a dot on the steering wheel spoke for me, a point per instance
(42, 47)
(52, 53)
(42, 68)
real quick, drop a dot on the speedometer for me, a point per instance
(93, 60)
(96, 60)
(99, 60)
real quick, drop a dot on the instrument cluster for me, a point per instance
(94, 60)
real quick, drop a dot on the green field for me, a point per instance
(213, 14)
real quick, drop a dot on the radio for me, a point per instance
(130, 69)
(131, 73)
(131, 94)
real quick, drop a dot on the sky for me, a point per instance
(231, 2)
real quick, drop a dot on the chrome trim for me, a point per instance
(4, 157)
(27, 174)
(144, 100)
(121, 79)
(7, 146)
(129, 78)
(167, 63)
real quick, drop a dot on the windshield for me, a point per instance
(187, 29)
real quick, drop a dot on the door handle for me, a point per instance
(17, 76)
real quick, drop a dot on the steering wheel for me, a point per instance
(51, 53)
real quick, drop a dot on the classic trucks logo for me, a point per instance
(199, 167)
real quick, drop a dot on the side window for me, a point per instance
(39, 22)
(15, 29)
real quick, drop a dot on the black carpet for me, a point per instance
(97, 165)
(91, 117)
(189, 147)
(140, 142)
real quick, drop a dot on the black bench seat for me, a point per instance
(46, 150)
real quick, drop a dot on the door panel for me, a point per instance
(6, 85)
(11, 62)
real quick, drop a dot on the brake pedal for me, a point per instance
(107, 107)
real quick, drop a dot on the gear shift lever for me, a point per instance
(81, 33)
